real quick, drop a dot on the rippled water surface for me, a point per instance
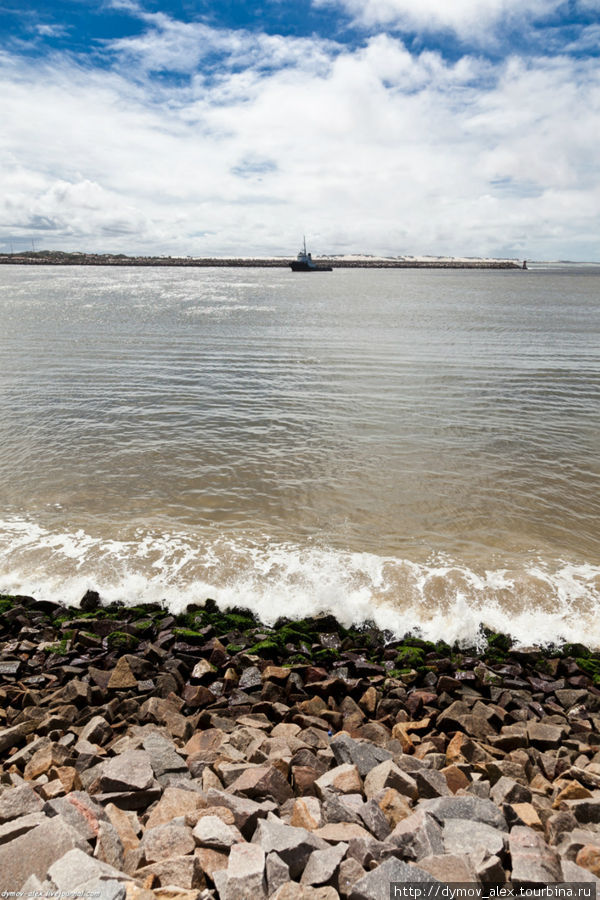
(421, 447)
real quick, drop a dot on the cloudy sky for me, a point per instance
(199, 127)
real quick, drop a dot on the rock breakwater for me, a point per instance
(144, 755)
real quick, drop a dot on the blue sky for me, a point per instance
(444, 127)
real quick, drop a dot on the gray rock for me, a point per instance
(507, 790)
(545, 737)
(463, 836)
(130, 771)
(15, 827)
(388, 775)
(377, 883)
(213, 833)
(167, 841)
(109, 848)
(372, 816)
(417, 836)
(362, 754)
(277, 873)
(339, 808)
(488, 867)
(96, 731)
(573, 873)
(164, 757)
(473, 808)
(34, 852)
(431, 783)
(77, 871)
(246, 812)
(245, 873)
(587, 812)
(533, 861)
(572, 842)
(11, 737)
(450, 867)
(322, 865)
(349, 873)
(292, 845)
(80, 811)
(19, 801)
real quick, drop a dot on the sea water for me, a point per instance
(418, 448)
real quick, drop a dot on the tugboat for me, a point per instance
(304, 262)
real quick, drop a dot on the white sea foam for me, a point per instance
(538, 602)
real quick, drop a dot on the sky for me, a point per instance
(230, 127)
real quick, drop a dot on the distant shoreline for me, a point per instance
(44, 258)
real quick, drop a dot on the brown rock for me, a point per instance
(456, 779)
(123, 822)
(571, 791)
(262, 782)
(204, 741)
(211, 861)
(122, 678)
(394, 805)
(167, 841)
(589, 858)
(307, 814)
(525, 814)
(47, 757)
(174, 802)
(182, 871)
(342, 779)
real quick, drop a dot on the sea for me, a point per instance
(416, 448)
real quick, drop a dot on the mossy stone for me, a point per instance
(121, 641)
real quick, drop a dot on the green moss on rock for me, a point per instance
(121, 641)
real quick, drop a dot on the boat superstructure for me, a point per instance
(304, 262)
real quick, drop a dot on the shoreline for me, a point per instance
(52, 258)
(206, 755)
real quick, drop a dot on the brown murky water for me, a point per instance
(422, 448)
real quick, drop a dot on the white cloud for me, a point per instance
(468, 18)
(375, 149)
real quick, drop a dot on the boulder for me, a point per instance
(417, 836)
(323, 864)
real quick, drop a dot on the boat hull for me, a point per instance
(304, 267)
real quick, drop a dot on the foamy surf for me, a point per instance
(536, 601)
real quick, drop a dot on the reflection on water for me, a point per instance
(382, 416)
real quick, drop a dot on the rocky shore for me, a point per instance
(146, 756)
